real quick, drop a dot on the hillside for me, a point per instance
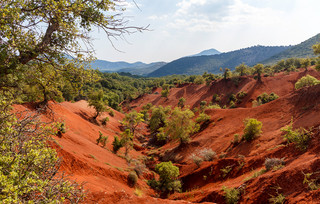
(301, 50)
(207, 52)
(143, 70)
(212, 63)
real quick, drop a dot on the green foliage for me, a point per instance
(102, 139)
(232, 195)
(111, 113)
(242, 69)
(158, 118)
(225, 171)
(203, 118)
(117, 144)
(29, 167)
(300, 137)
(265, 98)
(279, 198)
(306, 81)
(241, 94)
(227, 74)
(216, 98)
(165, 93)
(180, 125)
(132, 120)
(316, 49)
(168, 178)
(181, 102)
(252, 129)
(104, 121)
(127, 140)
(132, 178)
(98, 101)
(258, 70)
(313, 183)
(305, 63)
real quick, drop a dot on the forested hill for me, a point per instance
(301, 50)
(212, 64)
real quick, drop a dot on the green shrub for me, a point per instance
(117, 144)
(168, 178)
(111, 113)
(241, 94)
(273, 163)
(216, 98)
(202, 118)
(102, 139)
(104, 121)
(231, 195)
(306, 81)
(300, 137)
(181, 102)
(232, 104)
(265, 98)
(236, 139)
(233, 98)
(165, 93)
(132, 178)
(252, 129)
(214, 106)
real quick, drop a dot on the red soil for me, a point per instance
(105, 173)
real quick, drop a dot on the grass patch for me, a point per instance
(255, 175)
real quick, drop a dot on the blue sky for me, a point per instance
(185, 27)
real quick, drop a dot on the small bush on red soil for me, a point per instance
(231, 195)
(306, 81)
(132, 179)
(273, 163)
(252, 129)
(168, 178)
(197, 160)
(300, 137)
(208, 154)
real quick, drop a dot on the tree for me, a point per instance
(306, 81)
(127, 140)
(180, 125)
(158, 118)
(132, 120)
(242, 69)
(98, 102)
(316, 49)
(64, 25)
(258, 70)
(181, 102)
(168, 177)
(29, 167)
(227, 73)
(305, 63)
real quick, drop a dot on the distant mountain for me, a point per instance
(103, 65)
(207, 52)
(301, 50)
(212, 63)
(143, 70)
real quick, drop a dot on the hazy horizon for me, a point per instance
(186, 27)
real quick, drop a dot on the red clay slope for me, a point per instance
(104, 173)
(205, 183)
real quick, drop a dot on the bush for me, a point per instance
(252, 129)
(197, 160)
(273, 163)
(168, 178)
(132, 178)
(111, 113)
(117, 144)
(208, 154)
(29, 166)
(265, 98)
(104, 121)
(241, 94)
(306, 81)
(165, 93)
(181, 102)
(102, 139)
(300, 137)
(216, 98)
(231, 195)
(202, 118)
